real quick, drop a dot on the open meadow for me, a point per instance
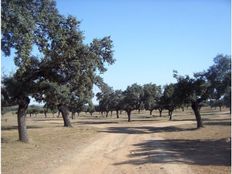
(96, 144)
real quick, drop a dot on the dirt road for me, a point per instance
(124, 149)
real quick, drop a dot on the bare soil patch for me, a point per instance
(108, 145)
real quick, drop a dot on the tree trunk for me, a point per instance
(170, 114)
(160, 112)
(151, 112)
(117, 113)
(129, 115)
(45, 114)
(22, 128)
(64, 112)
(78, 114)
(73, 115)
(120, 112)
(111, 113)
(195, 107)
(220, 107)
(107, 113)
(182, 108)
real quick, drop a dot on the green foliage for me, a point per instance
(132, 97)
(104, 98)
(21, 24)
(169, 97)
(35, 109)
(152, 93)
(90, 108)
(190, 89)
(218, 76)
(67, 69)
(117, 98)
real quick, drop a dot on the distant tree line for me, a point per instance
(211, 87)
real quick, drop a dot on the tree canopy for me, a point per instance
(66, 69)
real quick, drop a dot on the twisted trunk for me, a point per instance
(196, 109)
(64, 112)
(21, 115)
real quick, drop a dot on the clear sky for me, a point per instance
(153, 37)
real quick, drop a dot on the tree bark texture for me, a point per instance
(196, 109)
(64, 112)
(21, 114)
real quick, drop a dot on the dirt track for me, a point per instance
(118, 150)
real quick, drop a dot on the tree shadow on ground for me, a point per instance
(188, 119)
(5, 128)
(214, 113)
(218, 123)
(145, 129)
(96, 122)
(198, 152)
(48, 119)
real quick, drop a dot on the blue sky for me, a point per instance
(152, 37)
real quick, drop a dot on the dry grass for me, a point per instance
(48, 147)
(50, 142)
(208, 149)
